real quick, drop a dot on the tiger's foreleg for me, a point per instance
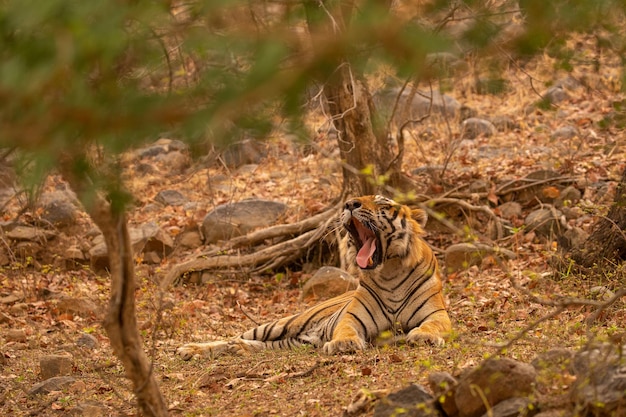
(350, 333)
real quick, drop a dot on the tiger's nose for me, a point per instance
(353, 204)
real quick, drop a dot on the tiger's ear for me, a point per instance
(419, 216)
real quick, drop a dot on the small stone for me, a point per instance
(474, 127)
(55, 365)
(16, 335)
(478, 186)
(30, 233)
(151, 258)
(510, 210)
(413, 400)
(513, 407)
(555, 95)
(57, 383)
(247, 151)
(568, 196)
(565, 132)
(87, 341)
(82, 307)
(555, 359)
(545, 222)
(59, 208)
(188, 239)
(572, 238)
(91, 409)
(18, 309)
(326, 283)
(504, 123)
(74, 253)
(170, 198)
(443, 385)
(176, 162)
(600, 292)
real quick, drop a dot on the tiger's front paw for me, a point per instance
(343, 346)
(190, 350)
(417, 336)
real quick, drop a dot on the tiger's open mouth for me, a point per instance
(367, 243)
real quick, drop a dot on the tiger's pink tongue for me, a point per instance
(366, 252)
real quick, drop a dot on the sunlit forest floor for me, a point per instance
(486, 308)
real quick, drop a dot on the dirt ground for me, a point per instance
(487, 311)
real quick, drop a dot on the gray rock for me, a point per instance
(328, 282)
(247, 151)
(555, 95)
(162, 146)
(412, 401)
(478, 186)
(568, 196)
(572, 238)
(564, 132)
(57, 383)
(600, 292)
(176, 162)
(59, 208)
(496, 380)
(461, 256)
(55, 365)
(568, 83)
(510, 210)
(15, 335)
(82, 307)
(188, 239)
(545, 222)
(443, 385)
(87, 341)
(513, 407)
(555, 359)
(600, 380)
(419, 106)
(147, 238)
(474, 127)
(29, 233)
(91, 409)
(170, 198)
(237, 219)
(504, 123)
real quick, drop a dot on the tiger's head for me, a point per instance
(380, 229)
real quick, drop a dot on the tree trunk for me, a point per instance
(120, 322)
(369, 162)
(607, 241)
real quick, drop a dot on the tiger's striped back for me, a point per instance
(399, 290)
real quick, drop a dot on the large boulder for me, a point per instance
(149, 240)
(495, 380)
(237, 219)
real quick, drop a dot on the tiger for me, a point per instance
(398, 297)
